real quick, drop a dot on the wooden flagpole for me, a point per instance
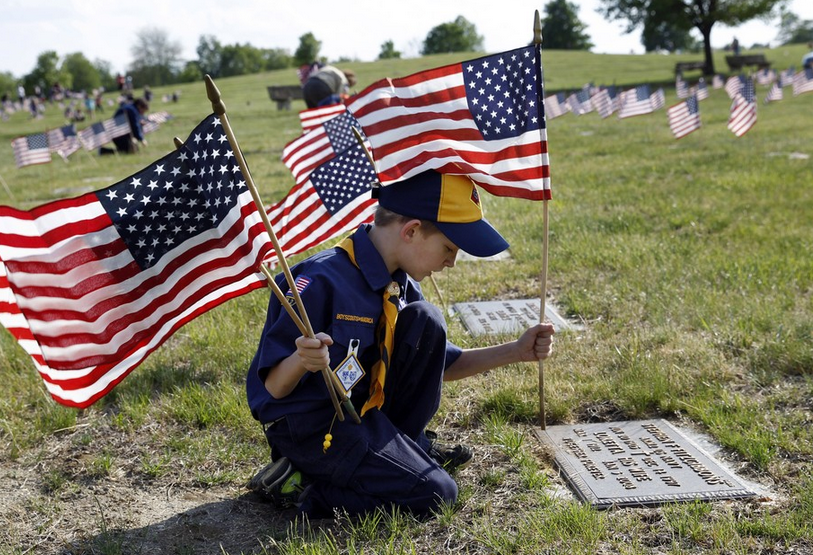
(544, 275)
(5, 186)
(334, 390)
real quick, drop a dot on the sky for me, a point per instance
(356, 29)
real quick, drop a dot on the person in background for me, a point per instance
(807, 60)
(128, 144)
(327, 85)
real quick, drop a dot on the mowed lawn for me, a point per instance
(688, 263)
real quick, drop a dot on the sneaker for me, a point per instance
(450, 457)
(280, 483)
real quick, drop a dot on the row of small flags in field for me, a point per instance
(38, 147)
(683, 117)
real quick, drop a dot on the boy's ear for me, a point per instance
(410, 229)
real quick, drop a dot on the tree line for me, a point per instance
(665, 25)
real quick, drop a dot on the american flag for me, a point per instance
(95, 283)
(786, 77)
(307, 152)
(579, 102)
(635, 102)
(734, 85)
(117, 126)
(311, 119)
(148, 126)
(94, 136)
(304, 71)
(31, 149)
(717, 82)
(605, 101)
(556, 105)
(803, 81)
(681, 87)
(63, 140)
(483, 118)
(684, 117)
(332, 199)
(766, 76)
(701, 90)
(774, 93)
(743, 110)
(658, 99)
(159, 117)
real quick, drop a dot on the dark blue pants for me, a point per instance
(383, 460)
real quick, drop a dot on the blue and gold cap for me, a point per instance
(452, 203)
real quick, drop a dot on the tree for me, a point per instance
(276, 58)
(793, 29)
(700, 14)
(210, 55)
(665, 35)
(308, 50)
(85, 77)
(388, 51)
(156, 58)
(8, 84)
(106, 76)
(459, 35)
(562, 29)
(46, 73)
(241, 60)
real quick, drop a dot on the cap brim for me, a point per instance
(476, 238)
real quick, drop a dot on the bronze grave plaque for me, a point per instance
(637, 463)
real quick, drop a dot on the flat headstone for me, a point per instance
(463, 256)
(509, 316)
(637, 463)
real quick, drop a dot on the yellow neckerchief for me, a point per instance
(385, 334)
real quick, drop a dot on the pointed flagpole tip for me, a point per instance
(537, 28)
(213, 94)
(178, 143)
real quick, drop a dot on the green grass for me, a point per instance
(688, 261)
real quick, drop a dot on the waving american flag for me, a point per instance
(89, 286)
(483, 118)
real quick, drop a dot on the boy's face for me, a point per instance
(428, 252)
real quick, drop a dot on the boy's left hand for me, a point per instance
(536, 343)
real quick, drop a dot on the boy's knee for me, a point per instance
(437, 491)
(422, 317)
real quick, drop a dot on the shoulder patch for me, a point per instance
(301, 284)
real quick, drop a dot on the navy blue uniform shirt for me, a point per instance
(341, 300)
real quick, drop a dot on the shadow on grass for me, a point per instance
(245, 524)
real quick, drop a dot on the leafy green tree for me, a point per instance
(562, 29)
(308, 49)
(699, 14)
(665, 35)
(85, 77)
(793, 29)
(106, 77)
(156, 58)
(239, 59)
(276, 58)
(191, 73)
(388, 51)
(210, 55)
(8, 84)
(46, 73)
(459, 35)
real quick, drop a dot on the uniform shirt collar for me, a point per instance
(371, 264)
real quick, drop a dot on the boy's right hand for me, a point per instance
(313, 352)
